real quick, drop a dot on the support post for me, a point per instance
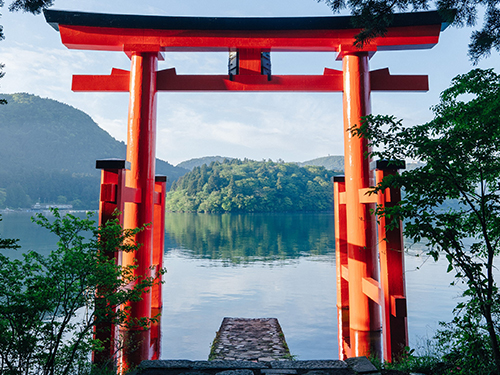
(141, 147)
(158, 250)
(364, 314)
(110, 201)
(341, 266)
(392, 280)
(250, 61)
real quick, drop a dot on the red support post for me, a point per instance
(364, 315)
(250, 61)
(110, 203)
(141, 145)
(341, 267)
(392, 280)
(158, 250)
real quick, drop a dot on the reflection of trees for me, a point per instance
(238, 237)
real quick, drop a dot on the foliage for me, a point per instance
(31, 6)
(251, 186)
(428, 363)
(48, 305)
(465, 343)
(374, 16)
(461, 151)
(442, 357)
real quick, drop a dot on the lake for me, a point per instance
(261, 265)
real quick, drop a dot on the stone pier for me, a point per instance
(243, 339)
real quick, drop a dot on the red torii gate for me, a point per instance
(249, 41)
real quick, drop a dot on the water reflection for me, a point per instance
(243, 238)
(295, 283)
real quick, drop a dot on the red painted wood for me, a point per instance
(341, 263)
(355, 234)
(158, 251)
(125, 39)
(364, 316)
(141, 150)
(331, 81)
(110, 201)
(392, 280)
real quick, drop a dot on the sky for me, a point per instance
(288, 126)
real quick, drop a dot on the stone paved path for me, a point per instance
(241, 339)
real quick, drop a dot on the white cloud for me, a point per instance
(38, 70)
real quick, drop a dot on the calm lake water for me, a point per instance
(261, 265)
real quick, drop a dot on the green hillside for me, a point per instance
(48, 151)
(252, 186)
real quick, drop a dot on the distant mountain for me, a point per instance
(198, 162)
(333, 163)
(48, 151)
(336, 163)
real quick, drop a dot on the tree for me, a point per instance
(49, 305)
(460, 149)
(16, 196)
(374, 16)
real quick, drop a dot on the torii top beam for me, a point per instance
(115, 32)
(249, 37)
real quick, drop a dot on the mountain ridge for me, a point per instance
(331, 162)
(48, 151)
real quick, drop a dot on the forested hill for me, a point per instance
(48, 151)
(252, 186)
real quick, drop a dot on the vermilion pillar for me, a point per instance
(158, 249)
(391, 250)
(110, 201)
(141, 145)
(341, 267)
(364, 315)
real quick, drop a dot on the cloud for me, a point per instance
(292, 127)
(38, 70)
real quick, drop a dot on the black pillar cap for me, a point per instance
(160, 178)
(338, 178)
(112, 163)
(388, 164)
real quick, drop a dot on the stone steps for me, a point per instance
(352, 366)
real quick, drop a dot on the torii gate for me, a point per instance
(249, 41)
